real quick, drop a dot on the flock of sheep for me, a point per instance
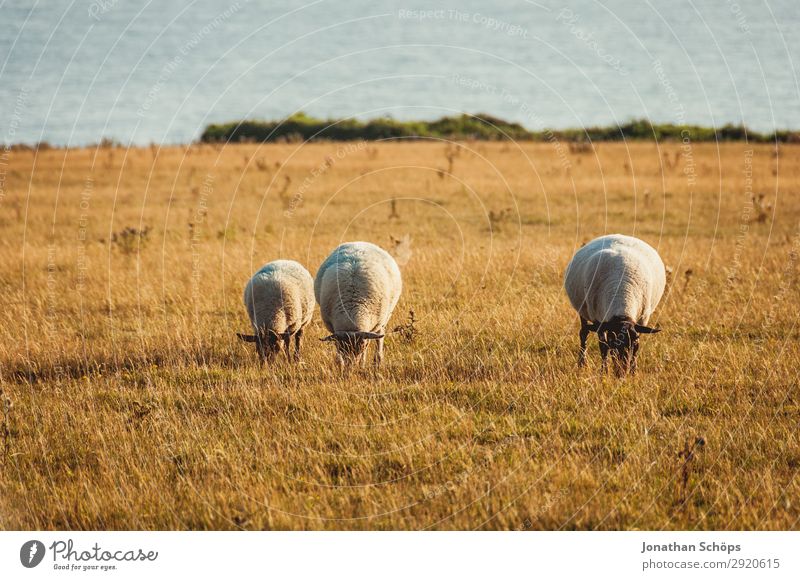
(614, 283)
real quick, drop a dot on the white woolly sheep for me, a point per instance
(357, 287)
(615, 283)
(279, 299)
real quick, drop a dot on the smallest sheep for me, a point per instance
(279, 299)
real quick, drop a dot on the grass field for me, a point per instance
(128, 403)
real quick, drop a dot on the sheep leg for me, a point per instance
(604, 356)
(286, 342)
(378, 352)
(297, 337)
(584, 334)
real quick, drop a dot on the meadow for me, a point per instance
(128, 402)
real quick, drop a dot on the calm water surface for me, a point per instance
(141, 72)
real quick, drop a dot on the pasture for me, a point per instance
(129, 403)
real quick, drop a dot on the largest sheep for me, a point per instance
(357, 288)
(279, 299)
(615, 283)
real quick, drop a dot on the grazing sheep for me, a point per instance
(615, 283)
(279, 299)
(357, 287)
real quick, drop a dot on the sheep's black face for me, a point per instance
(350, 349)
(268, 346)
(621, 341)
(352, 344)
(619, 338)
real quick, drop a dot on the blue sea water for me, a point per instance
(72, 73)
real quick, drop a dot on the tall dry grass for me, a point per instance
(127, 401)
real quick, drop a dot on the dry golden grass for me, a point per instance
(129, 403)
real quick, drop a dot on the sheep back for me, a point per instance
(615, 276)
(280, 297)
(357, 288)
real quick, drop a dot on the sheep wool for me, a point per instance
(357, 288)
(615, 276)
(280, 297)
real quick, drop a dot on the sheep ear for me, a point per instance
(247, 337)
(645, 329)
(368, 335)
(352, 334)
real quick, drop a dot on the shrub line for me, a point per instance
(481, 127)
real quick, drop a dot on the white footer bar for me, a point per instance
(388, 555)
